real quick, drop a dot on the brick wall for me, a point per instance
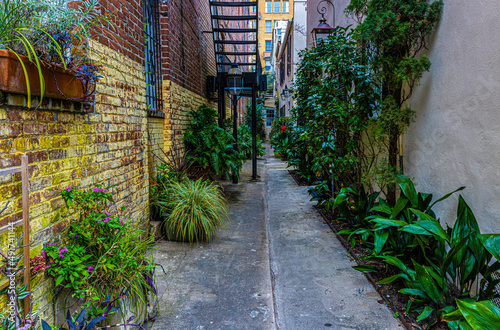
(67, 146)
(114, 142)
(124, 33)
(187, 52)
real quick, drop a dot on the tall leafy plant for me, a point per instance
(214, 144)
(394, 32)
(460, 267)
(335, 97)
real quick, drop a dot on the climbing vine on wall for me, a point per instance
(394, 33)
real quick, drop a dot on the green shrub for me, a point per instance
(195, 210)
(436, 265)
(213, 144)
(260, 114)
(245, 143)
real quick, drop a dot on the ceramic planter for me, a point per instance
(13, 80)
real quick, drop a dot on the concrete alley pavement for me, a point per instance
(278, 266)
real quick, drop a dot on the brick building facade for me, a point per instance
(115, 141)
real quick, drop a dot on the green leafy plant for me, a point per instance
(83, 322)
(103, 254)
(459, 267)
(260, 116)
(245, 143)
(470, 315)
(335, 96)
(196, 210)
(214, 144)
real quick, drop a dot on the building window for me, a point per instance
(269, 6)
(289, 56)
(269, 26)
(286, 8)
(268, 65)
(152, 54)
(277, 7)
(269, 117)
(282, 72)
(268, 45)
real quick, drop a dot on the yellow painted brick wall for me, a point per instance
(178, 102)
(67, 146)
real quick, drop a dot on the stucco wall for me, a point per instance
(455, 140)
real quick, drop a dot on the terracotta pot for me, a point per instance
(13, 79)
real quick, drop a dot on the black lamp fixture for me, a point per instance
(285, 94)
(235, 80)
(323, 30)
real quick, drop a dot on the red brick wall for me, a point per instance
(125, 31)
(187, 52)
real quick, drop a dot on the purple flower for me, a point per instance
(68, 189)
(51, 263)
(43, 253)
(61, 256)
(107, 213)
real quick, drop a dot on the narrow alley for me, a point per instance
(278, 266)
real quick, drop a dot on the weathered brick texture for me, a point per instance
(66, 147)
(112, 142)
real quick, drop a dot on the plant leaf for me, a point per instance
(364, 268)
(425, 313)
(482, 315)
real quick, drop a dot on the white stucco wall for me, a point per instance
(299, 30)
(455, 140)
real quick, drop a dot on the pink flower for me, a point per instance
(68, 189)
(51, 263)
(61, 256)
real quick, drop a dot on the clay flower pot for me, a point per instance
(13, 79)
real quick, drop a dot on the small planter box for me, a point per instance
(13, 79)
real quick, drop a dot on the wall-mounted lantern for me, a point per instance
(285, 94)
(235, 80)
(323, 30)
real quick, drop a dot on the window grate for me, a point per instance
(152, 52)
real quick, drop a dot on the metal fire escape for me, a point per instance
(235, 33)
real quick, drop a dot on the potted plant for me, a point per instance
(43, 48)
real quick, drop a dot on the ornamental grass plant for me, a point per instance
(196, 210)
